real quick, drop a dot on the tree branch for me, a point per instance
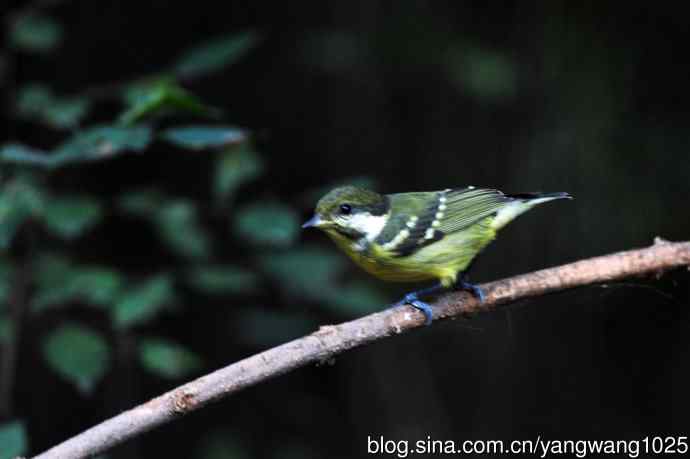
(329, 341)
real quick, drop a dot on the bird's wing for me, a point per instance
(418, 219)
(467, 206)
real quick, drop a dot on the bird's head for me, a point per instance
(352, 212)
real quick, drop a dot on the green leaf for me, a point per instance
(201, 137)
(11, 218)
(66, 113)
(37, 102)
(98, 285)
(234, 169)
(143, 203)
(54, 284)
(265, 327)
(102, 142)
(87, 145)
(176, 220)
(167, 359)
(269, 223)
(77, 353)
(215, 54)
(307, 271)
(142, 303)
(13, 439)
(51, 268)
(48, 298)
(20, 199)
(159, 97)
(21, 154)
(35, 33)
(70, 216)
(27, 193)
(178, 225)
(59, 282)
(223, 279)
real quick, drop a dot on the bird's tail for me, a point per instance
(522, 202)
(540, 197)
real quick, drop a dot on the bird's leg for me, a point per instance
(413, 300)
(463, 283)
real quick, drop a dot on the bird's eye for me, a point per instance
(345, 209)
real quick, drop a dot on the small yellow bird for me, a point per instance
(409, 237)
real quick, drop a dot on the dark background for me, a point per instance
(519, 96)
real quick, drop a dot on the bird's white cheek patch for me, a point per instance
(369, 225)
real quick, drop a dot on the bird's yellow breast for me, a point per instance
(441, 260)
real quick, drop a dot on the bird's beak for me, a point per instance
(313, 221)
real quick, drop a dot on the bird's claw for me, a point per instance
(474, 289)
(410, 298)
(413, 300)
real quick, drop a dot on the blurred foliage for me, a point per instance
(176, 221)
(59, 281)
(215, 54)
(35, 33)
(304, 271)
(236, 167)
(101, 142)
(167, 359)
(78, 354)
(20, 200)
(178, 225)
(201, 137)
(22, 154)
(41, 215)
(160, 97)
(141, 303)
(13, 440)
(37, 102)
(92, 144)
(223, 279)
(267, 223)
(70, 216)
(44, 221)
(142, 203)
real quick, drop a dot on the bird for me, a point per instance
(420, 236)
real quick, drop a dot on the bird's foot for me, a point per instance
(413, 300)
(472, 288)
